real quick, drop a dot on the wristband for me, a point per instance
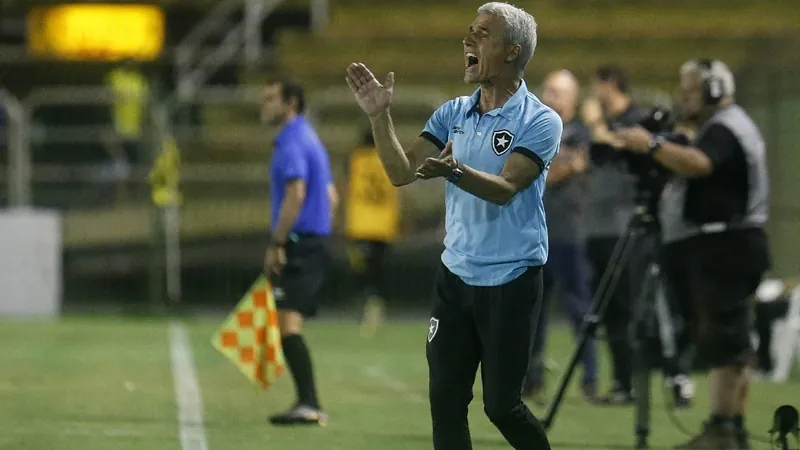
(655, 145)
(458, 171)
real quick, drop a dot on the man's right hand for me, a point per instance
(373, 98)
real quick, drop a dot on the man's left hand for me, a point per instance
(442, 166)
(635, 138)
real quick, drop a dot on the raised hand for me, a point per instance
(373, 98)
(441, 166)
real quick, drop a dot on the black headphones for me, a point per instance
(713, 87)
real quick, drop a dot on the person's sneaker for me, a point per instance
(715, 436)
(617, 396)
(300, 415)
(682, 390)
(589, 392)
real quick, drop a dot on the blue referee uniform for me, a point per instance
(489, 285)
(299, 155)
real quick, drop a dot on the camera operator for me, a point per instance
(712, 215)
(610, 208)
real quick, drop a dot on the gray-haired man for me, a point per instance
(713, 215)
(494, 149)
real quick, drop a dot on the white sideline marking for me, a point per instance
(392, 383)
(187, 390)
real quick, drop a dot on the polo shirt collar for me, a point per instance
(508, 109)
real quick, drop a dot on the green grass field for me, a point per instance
(106, 383)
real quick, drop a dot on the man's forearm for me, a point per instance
(395, 162)
(290, 210)
(492, 188)
(601, 133)
(687, 161)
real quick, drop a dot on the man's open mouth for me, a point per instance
(472, 60)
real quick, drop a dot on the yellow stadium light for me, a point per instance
(102, 32)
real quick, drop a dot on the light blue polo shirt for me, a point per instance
(487, 244)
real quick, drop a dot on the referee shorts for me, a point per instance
(491, 326)
(297, 287)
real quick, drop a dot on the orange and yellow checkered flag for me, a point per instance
(250, 336)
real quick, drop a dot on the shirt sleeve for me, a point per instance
(437, 128)
(291, 162)
(541, 139)
(719, 144)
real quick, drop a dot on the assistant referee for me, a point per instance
(496, 147)
(303, 200)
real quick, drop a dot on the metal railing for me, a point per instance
(19, 160)
(24, 133)
(193, 71)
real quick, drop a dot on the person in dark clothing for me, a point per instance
(565, 206)
(611, 190)
(713, 213)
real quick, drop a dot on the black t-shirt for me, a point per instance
(721, 196)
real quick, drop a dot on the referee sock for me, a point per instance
(299, 361)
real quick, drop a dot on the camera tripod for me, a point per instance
(636, 250)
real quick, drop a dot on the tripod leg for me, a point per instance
(643, 314)
(619, 259)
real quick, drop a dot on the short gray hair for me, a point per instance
(520, 28)
(716, 69)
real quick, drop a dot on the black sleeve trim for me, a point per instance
(533, 156)
(433, 139)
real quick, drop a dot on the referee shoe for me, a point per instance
(300, 415)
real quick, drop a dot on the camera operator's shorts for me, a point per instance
(715, 277)
(300, 281)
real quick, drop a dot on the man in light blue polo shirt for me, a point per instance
(494, 149)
